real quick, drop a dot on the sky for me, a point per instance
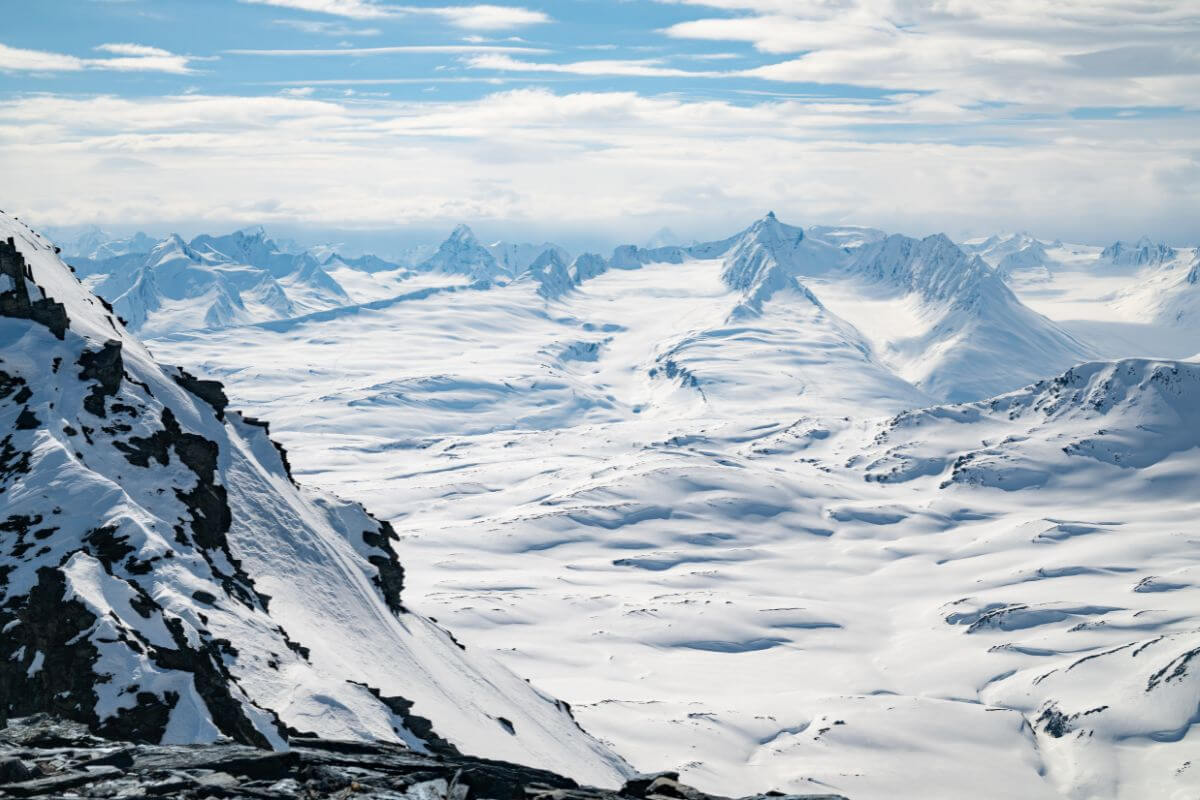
(608, 119)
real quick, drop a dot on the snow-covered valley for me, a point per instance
(715, 496)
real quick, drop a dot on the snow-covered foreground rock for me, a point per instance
(713, 497)
(163, 578)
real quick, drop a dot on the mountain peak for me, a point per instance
(461, 253)
(1144, 252)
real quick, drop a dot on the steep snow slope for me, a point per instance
(960, 333)
(164, 578)
(1167, 293)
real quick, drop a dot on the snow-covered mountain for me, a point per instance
(1142, 253)
(964, 334)
(646, 485)
(516, 258)
(212, 282)
(164, 577)
(923, 310)
(94, 244)
(629, 478)
(463, 254)
(1018, 255)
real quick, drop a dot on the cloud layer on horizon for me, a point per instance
(1077, 118)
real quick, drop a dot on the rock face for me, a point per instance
(41, 757)
(164, 580)
(19, 299)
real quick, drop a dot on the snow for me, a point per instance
(716, 499)
(305, 657)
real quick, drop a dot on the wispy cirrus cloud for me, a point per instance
(125, 57)
(448, 49)
(639, 68)
(482, 17)
(326, 28)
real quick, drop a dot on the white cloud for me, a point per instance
(13, 58)
(130, 58)
(643, 68)
(354, 9)
(135, 50)
(379, 51)
(599, 158)
(483, 17)
(326, 28)
(1058, 55)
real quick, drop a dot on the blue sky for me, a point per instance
(1071, 118)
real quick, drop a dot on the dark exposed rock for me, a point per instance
(83, 765)
(27, 421)
(105, 367)
(390, 579)
(16, 303)
(415, 723)
(10, 384)
(13, 769)
(211, 392)
(42, 622)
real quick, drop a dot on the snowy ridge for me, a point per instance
(1142, 253)
(164, 578)
(766, 259)
(1127, 414)
(212, 282)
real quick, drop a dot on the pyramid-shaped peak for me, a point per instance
(549, 258)
(770, 228)
(172, 244)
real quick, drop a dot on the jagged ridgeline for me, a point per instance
(163, 579)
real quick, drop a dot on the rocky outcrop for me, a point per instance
(16, 290)
(41, 757)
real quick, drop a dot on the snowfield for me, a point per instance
(822, 510)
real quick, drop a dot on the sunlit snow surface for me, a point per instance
(721, 539)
